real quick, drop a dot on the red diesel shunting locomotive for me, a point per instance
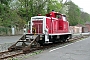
(52, 28)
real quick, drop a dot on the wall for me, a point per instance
(75, 29)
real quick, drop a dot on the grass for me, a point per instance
(26, 56)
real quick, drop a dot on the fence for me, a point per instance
(8, 31)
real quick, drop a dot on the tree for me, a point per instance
(74, 14)
(85, 17)
(6, 2)
(54, 5)
(9, 17)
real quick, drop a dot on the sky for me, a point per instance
(83, 4)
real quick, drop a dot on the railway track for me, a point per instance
(11, 54)
(8, 54)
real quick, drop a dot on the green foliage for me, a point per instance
(8, 17)
(54, 4)
(31, 8)
(85, 17)
(4, 2)
(74, 14)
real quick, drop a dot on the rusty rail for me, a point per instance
(10, 56)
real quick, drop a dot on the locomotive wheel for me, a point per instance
(63, 39)
(54, 39)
